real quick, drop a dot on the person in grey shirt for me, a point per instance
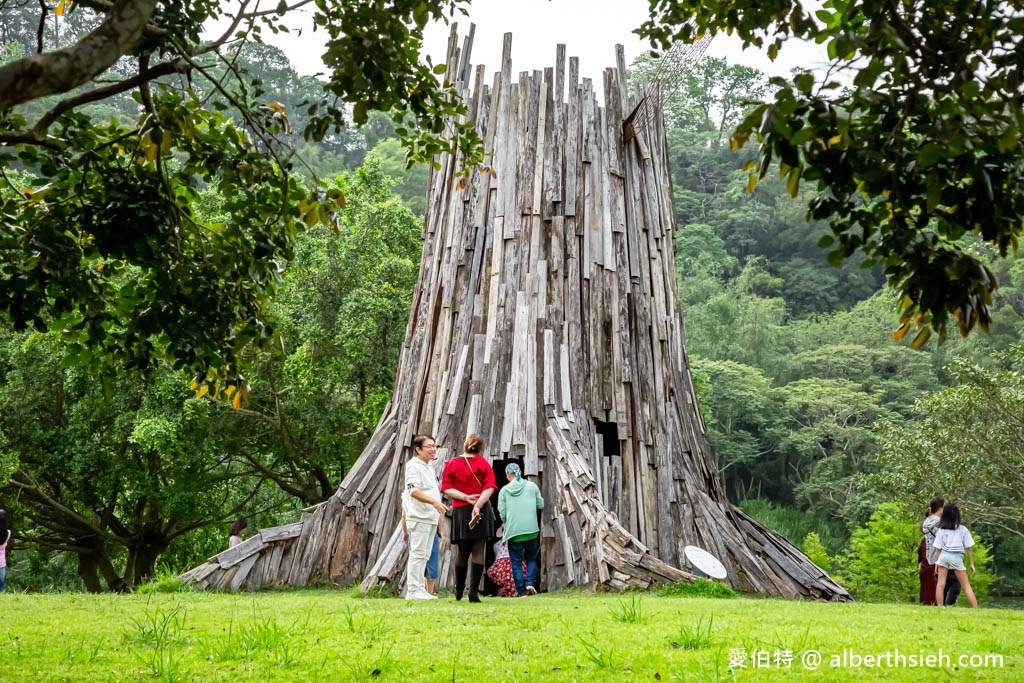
(928, 528)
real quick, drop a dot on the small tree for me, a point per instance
(815, 550)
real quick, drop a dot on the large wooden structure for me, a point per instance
(545, 319)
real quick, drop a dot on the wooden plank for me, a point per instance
(200, 573)
(455, 394)
(233, 556)
(278, 533)
(537, 189)
(532, 368)
(244, 567)
(549, 367)
(513, 398)
(572, 138)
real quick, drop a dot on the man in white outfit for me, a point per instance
(421, 501)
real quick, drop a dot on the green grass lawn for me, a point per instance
(333, 635)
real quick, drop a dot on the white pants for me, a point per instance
(421, 541)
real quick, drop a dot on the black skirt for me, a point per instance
(460, 523)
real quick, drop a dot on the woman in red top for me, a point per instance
(469, 481)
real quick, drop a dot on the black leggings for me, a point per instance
(470, 550)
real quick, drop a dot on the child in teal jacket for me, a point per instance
(518, 502)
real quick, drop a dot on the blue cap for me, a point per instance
(513, 468)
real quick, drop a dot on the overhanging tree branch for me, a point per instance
(162, 69)
(53, 73)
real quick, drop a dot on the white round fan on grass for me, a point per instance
(704, 562)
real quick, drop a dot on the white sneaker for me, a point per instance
(420, 595)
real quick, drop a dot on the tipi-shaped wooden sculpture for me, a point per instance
(545, 319)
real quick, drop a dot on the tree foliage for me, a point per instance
(920, 149)
(341, 313)
(967, 441)
(105, 244)
(117, 481)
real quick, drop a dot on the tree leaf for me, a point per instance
(804, 83)
(921, 338)
(793, 184)
(929, 155)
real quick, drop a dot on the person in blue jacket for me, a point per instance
(518, 502)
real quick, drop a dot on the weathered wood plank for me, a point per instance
(279, 533)
(233, 556)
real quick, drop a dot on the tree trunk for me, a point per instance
(88, 570)
(545, 319)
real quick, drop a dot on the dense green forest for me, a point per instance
(824, 425)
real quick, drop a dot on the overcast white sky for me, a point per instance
(590, 30)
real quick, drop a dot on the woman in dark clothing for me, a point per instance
(469, 481)
(926, 574)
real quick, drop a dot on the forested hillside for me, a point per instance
(817, 414)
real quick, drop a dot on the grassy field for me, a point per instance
(333, 635)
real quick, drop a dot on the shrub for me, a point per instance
(814, 549)
(701, 588)
(164, 582)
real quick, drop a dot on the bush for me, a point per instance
(881, 565)
(701, 588)
(813, 549)
(164, 582)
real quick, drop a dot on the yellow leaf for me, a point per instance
(58, 11)
(749, 166)
(149, 149)
(236, 402)
(99, 266)
(901, 332)
(194, 385)
(230, 390)
(203, 390)
(835, 141)
(793, 184)
(751, 183)
(921, 338)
